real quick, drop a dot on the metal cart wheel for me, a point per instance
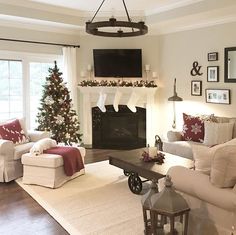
(135, 184)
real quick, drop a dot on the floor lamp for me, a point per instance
(174, 98)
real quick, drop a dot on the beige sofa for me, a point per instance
(213, 209)
(10, 155)
(210, 189)
(175, 145)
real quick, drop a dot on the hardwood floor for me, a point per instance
(22, 215)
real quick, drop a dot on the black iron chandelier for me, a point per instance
(137, 28)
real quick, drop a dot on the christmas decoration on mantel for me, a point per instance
(55, 113)
(119, 83)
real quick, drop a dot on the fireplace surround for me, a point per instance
(89, 96)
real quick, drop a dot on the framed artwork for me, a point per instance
(213, 73)
(212, 56)
(196, 88)
(218, 96)
(230, 64)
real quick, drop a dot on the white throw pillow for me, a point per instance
(234, 188)
(217, 133)
(203, 156)
(223, 169)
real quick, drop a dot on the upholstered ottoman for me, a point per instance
(47, 169)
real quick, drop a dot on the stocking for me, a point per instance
(101, 102)
(116, 101)
(133, 101)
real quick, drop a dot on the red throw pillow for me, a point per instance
(193, 128)
(12, 131)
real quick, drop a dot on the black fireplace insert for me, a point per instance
(119, 130)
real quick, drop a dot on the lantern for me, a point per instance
(146, 204)
(173, 210)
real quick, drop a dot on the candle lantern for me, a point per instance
(146, 204)
(173, 210)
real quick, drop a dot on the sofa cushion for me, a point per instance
(223, 168)
(174, 136)
(193, 128)
(13, 131)
(203, 156)
(180, 148)
(231, 120)
(234, 188)
(21, 149)
(217, 133)
(198, 185)
(43, 160)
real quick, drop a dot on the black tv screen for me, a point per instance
(117, 62)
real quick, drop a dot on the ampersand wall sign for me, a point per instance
(196, 69)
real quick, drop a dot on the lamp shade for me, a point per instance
(175, 97)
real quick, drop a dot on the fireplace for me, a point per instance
(89, 96)
(118, 130)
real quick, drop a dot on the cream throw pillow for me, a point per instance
(203, 156)
(234, 189)
(217, 133)
(223, 169)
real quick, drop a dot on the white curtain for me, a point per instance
(70, 73)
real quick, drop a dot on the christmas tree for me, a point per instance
(55, 112)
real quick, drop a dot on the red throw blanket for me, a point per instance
(71, 156)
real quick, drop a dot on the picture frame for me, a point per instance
(213, 73)
(196, 88)
(218, 96)
(212, 56)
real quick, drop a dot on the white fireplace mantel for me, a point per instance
(88, 97)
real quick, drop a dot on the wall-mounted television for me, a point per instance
(120, 63)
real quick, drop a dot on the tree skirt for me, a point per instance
(96, 203)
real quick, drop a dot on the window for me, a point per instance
(11, 100)
(21, 78)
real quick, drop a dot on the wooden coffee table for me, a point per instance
(134, 167)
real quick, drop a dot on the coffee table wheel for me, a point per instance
(135, 183)
(126, 173)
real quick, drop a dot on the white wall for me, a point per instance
(178, 51)
(43, 36)
(148, 44)
(169, 55)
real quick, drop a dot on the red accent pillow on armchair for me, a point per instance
(193, 128)
(12, 131)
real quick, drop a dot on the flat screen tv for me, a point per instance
(120, 63)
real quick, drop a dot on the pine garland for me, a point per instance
(55, 113)
(119, 83)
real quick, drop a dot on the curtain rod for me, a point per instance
(35, 42)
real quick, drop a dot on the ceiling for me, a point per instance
(161, 16)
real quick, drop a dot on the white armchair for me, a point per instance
(10, 155)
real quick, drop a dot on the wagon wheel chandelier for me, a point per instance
(137, 28)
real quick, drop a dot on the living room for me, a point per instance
(181, 37)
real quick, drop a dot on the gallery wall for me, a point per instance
(178, 51)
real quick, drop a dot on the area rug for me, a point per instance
(97, 203)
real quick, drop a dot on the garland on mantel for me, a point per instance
(118, 83)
